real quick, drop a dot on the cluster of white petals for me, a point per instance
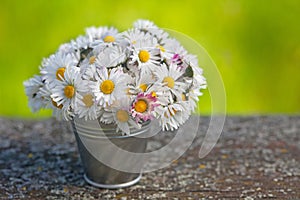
(125, 78)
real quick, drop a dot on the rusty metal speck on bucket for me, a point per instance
(100, 149)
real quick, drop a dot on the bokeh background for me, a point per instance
(255, 44)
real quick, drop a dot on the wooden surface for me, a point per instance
(256, 157)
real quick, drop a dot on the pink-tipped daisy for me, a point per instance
(143, 107)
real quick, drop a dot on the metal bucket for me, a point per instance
(98, 142)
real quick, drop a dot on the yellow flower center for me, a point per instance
(60, 73)
(122, 115)
(69, 91)
(107, 87)
(55, 104)
(143, 87)
(141, 106)
(92, 59)
(109, 38)
(170, 81)
(153, 94)
(88, 100)
(183, 97)
(144, 56)
(161, 48)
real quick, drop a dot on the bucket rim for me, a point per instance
(107, 130)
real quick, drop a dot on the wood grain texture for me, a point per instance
(256, 157)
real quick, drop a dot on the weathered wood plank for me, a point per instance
(256, 157)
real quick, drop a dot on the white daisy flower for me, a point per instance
(133, 35)
(193, 98)
(162, 52)
(146, 57)
(86, 106)
(58, 111)
(46, 92)
(150, 27)
(173, 115)
(89, 72)
(66, 48)
(192, 61)
(145, 54)
(105, 37)
(143, 107)
(110, 57)
(106, 34)
(160, 34)
(120, 114)
(144, 24)
(70, 48)
(95, 33)
(32, 87)
(110, 35)
(160, 93)
(55, 66)
(81, 42)
(142, 83)
(194, 91)
(65, 91)
(122, 117)
(195, 79)
(170, 76)
(173, 49)
(110, 85)
(87, 63)
(145, 41)
(198, 78)
(197, 83)
(143, 49)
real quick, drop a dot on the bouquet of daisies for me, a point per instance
(122, 78)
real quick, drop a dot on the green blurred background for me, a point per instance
(254, 43)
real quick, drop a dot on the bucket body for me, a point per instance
(102, 150)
